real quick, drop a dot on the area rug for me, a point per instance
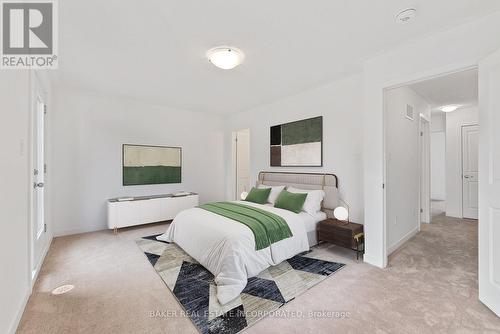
(195, 289)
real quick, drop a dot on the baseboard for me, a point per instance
(20, 312)
(42, 259)
(374, 261)
(401, 241)
(454, 214)
(490, 302)
(81, 230)
(19, 315)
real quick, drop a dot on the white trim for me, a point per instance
(34, 273)
(454, 214)
(373, 261)
(36, 89)
(15, 323)
(424, 141)
(430, 74)
(426, 119)
(66, 232)
(383, 88)
(404, 239)
(462, 126)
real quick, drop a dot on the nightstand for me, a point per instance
(343, 234)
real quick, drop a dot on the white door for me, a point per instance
(489, 182)
(470, 187)
(38, 210)
(242, 161)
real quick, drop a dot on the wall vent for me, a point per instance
(409, 112)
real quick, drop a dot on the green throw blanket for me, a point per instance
(267, 227)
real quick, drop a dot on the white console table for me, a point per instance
(147, 209)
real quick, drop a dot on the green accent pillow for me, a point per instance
(258, 196)
(290, 201)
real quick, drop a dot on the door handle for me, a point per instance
(38, 185)
(466, 176)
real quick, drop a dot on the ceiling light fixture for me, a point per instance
(449, 108)
(225, 57)
(406, 15)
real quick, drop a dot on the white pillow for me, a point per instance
(275, 191)
(313, 200)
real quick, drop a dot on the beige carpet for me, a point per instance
(429, 287)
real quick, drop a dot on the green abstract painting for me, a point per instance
(151, 165)
(297, 144)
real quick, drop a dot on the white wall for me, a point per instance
(465, 46)
(15, 285)
(403, 164)
(438, 122)
(340, 105)
(454, 122)
(89, 130)
(438, 156)
(438, 166)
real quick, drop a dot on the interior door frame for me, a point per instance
(462, 127)
(234, 161)
(37, 90)
(425, 171)
(397, 83)
(489, 186)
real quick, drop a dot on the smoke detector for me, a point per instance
(406, 15)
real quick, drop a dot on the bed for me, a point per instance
(228, 249)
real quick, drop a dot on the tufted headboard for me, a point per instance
(314, 181)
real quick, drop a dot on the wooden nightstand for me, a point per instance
(343, 234)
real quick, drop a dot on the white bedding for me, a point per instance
(227, 248)
(310, 223)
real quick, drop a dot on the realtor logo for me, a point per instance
(29, 34)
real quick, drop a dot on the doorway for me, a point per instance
(242, 161)
(470, 166)
(431, 142)
(487, 260)
(453, 100)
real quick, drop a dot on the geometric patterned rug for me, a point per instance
(194, 286)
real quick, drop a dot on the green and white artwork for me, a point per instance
(151, 165)
(298, 144)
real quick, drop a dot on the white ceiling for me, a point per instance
(458, 88)
(155, 50)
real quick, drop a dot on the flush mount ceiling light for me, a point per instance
(449, 108)
(225, 57)
(406, 15)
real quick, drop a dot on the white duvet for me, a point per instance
(227, 248)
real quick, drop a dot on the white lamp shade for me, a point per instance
(341, 213)
(243, 195)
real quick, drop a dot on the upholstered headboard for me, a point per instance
(314, 181)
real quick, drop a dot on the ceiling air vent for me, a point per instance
(409, 112)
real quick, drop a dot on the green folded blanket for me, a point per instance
(267, 227)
